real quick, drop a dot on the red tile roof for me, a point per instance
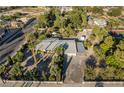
(118, 30)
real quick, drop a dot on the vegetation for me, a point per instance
(57, 64)
(109, 55)
(108, 51)
(87, 44)
(10, 17)
(115, 12)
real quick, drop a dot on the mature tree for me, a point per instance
(10, 60)
(109, 41)
(75, 19)
(56, 64)
(57, 22)
(87, 44)
(109, 73)
(104, 47)
(2, 71)
(16, 71)
(70, 30)
(100, 33)
(99, 53)
(8, 17)
(30, 38)
(119, 55)
(84, 19)
(112, 61)
(119, 74)
(18, 57)
(42, 21)
(42, 37)
(59, 50)
(51, 17)
(36, 27)
(119, 52)
(107, 44)
(97, 10)
(89, 73)
(91, 38)
(28, 75)
(44, 77)
(113, 23)
(121, 45)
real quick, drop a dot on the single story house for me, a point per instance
(97, 21)
(48, 45)
(100, 22)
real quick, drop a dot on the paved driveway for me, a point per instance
(74, 71)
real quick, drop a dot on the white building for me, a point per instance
(66, 9)
(97, 21)
(100, 22)
(49, 45)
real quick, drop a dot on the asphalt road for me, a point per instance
(55, 84)
(14, 42)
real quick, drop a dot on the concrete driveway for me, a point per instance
(74, 73)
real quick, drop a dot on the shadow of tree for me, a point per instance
(99, 84)
(30, 62)
(102, 64)
(65, 66)
(91, 61)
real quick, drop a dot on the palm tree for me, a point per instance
(2, 70)
(36, 27)
(30, 38)
(32, 48)
(16, 70)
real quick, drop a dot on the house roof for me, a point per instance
(99, 21)
(52, 43)
(118, 30)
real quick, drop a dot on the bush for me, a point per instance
(89, 73)
(42, 37)
(18, 57)
(87, 44)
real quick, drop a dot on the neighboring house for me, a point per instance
(97, 21)
(118, 33)
(65, 8)
(100, 22)
(118, 30)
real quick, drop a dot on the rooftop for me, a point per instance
(118, 30)
(100, 22)
(52, 43)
